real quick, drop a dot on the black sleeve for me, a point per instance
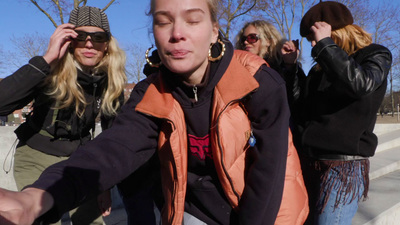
(18, 89)
(104, 161)
(355, 79)
(269, 112)
(295, 79)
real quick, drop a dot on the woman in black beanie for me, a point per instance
(336, 111)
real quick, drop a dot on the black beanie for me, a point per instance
(89, 16)
(334, 13)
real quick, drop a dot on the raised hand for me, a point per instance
(290, 52)
(59, 42)
(321, 30)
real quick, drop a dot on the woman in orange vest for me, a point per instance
(216, 120)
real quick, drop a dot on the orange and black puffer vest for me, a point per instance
(226, 109)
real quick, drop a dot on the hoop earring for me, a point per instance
(148, 60)
(210, 58)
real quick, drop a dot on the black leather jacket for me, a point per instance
(336, 108)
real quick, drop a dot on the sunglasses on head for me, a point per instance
(94, 36)
(251, 38)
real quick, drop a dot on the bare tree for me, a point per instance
(30, 45)
(360, 10)
(135, 62)
(55, 10)
(285, 14)
(2, 59)
(231, 10)
(26, 47)
(383, 21)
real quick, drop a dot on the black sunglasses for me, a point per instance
(251, 38)
(95, 36)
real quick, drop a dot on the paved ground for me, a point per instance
(387, 119)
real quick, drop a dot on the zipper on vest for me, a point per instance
(195, 93)
(220, 148)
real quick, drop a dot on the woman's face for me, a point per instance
(89, 52)
(183, 31)
(255, 47)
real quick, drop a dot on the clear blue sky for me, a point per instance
(128, 23)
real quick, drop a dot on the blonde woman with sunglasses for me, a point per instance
(80, 77)
(263, 39)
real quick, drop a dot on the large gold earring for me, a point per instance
(148, 60)
(210, 58)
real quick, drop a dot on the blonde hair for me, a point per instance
(351, 38)
(267, 32)
(64, 88)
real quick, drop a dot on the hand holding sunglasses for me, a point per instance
(94, 36)
(250, 38)
(59, 42)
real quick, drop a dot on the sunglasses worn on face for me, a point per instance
(95, 36)
(251, 38)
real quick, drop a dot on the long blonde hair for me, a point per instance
(64, 88)
(267, 32)
(351, 38)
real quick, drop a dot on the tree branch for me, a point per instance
(44, 12)
(108, 5)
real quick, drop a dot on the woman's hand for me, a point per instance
(59, 42)
(321, 30)
(290, 52)
(104, 201)
(24, 207)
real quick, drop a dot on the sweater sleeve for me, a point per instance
(18, 89)
(269, 112)
(103, 162)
